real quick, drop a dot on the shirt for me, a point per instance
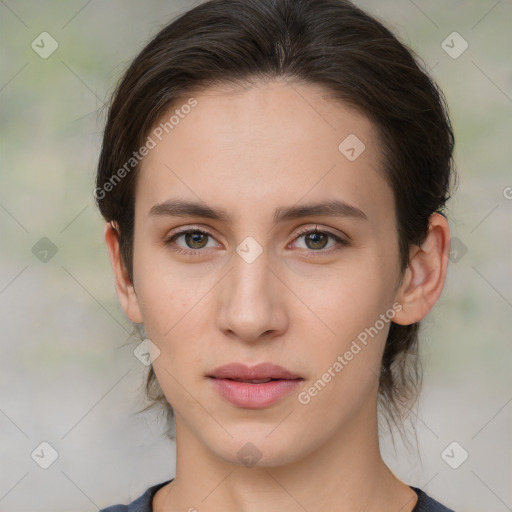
(144, 502)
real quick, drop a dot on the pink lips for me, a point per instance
(253, 387)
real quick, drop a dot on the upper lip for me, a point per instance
(258, 372)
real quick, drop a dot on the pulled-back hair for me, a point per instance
(330, 43)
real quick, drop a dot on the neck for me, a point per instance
(346, 474)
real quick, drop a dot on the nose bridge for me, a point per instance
(250, 279)
(251, 299)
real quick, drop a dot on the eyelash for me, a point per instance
(306, 231)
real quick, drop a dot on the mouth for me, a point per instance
(260, 381)
(264, 372)
(253, 387)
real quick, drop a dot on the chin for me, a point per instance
(255, 448)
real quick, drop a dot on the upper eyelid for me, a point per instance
(300, 231)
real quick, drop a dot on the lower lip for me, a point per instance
(254, 396)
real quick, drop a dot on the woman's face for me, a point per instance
(257, 288)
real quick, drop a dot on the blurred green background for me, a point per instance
(68, 375)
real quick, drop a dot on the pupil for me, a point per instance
(314, 238)
(193, 238)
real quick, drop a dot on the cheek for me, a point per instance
(163, 293)
(344, 318)
(337, 396)
(174, 323)
(174, 304)
(169, 311)
(346, 298)
(345, 358)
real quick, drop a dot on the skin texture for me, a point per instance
(250, 151)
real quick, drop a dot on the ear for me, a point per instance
(425, 275)
(124, 286)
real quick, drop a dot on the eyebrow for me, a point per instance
(181, 208)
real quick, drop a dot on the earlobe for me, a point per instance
(124, 286)
(425, 275)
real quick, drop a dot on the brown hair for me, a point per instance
(331, 43)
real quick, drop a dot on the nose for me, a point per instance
(252, 302)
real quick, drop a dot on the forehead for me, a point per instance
(270, 142)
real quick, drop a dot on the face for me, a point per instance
(262, 276)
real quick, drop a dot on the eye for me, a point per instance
(316, 240)
(194, 240)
